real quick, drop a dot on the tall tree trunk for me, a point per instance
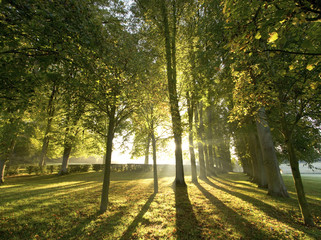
(173, 99)
(2, 169)
(254, 159)
(147, 150)
(294, 163)
(109, 149)
(207, 160)
(154, 161)
(276, 185)
(190, 104)
(65, 159)
(51, 112)
(200, 145)
(70, 134)
(210, 137)
(262, 177)
(303, 203)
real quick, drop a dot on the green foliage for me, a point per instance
(78, 168)
(12, 170)
(98, 167)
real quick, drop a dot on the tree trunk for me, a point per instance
(276, 185)
(190, 104)
(65, 159)
(51, 112)
(303, 203)
(154, 161)
(8, 152)
(109, 149)
(262, 177)
(72, 119)
(173, 99)
(2, 169)
(254, 159)
(200, 146)
(147, 150)
(294, 163)
(207, 160)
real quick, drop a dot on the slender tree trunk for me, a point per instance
(200, 146)
(173, 99)
(154, 161)
(109, 149)
(210, 137)
(147, 150)
(10, 133)
(70, 134)
(2, 169)
(276, 185)
(190, 104)
(51, 112)
(254, 159)
(303, 203)
(294, 163)
(207, 160)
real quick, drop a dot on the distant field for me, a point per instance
(225, 207)
(304, 168)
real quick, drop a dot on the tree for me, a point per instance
(165, 16)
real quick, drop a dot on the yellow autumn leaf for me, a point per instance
(291, 67)
(310, 67)
(273, 37)
(258, 35)
(314, 85)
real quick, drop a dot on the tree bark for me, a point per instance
(200, 145)
(173, 99)
(2, 169)
(210, 137)
(51, 112)
(276, 185)
(254, 158)
(294, 163)
(65, 159)
(154, 161)
(109, 149)
(303, 203)
(262, 177)
(147, 150)
(191, 106)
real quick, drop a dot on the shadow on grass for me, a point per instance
(243, 226)
(187, 226)
(268, 209)
(131, 228)
(6, 198)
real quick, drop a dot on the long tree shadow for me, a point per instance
(187, 226)
(246, 228)
(268, 209)
(131, 228)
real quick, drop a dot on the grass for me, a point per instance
(224, 207)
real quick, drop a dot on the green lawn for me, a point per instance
(225, 207)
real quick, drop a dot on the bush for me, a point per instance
(12, 170)
(30, 169)
(85, 168)
(37, 170)
(78, 168)
(50, 168)
(98, 167)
